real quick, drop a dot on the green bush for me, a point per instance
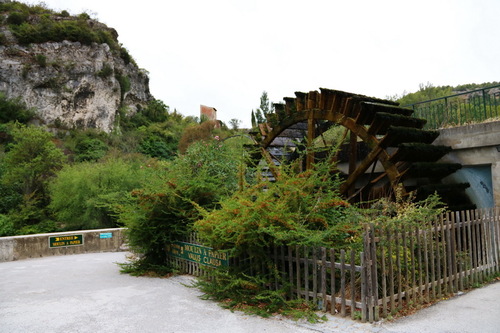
(41, 60)
(124, 82)
(90, 149)
(164, 209)
(17, 18)
(106, 71)
(6, 226)
(14, 110)
(89, 195)
(3, 39)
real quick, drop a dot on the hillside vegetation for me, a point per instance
(429, 91)
(62, 176)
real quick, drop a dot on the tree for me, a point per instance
(86, 195)
(265, 108)
(32, 160)
(265, 105)
(234, 123)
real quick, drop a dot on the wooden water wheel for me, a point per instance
(383, 149)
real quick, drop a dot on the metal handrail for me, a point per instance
(456, 112)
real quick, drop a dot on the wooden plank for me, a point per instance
(420, 270)
(352, 275)
(315, 276)
(414, 295)
(364, 314)
(391, 271)
(306, 272)
(276, 267)
(450, 249)
(496, 238)
(332, 281)
(290, 270)
(405, 260)
(323, 278)
(438, 259)
(461, 248)
(383, 276)
(342, 284)
(399, 271)
(426, 260)
(474, 250)
(470, 249)
(297, 271)
(444, 244)
(374, 273)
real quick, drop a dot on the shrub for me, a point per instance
(90, 149)
(17, 18)
(124, 82)
(164, 209)
(105, 72)
(88, 195)
(14, 110)
(3, 39)
(125, 55)
(6, 226)
(41, 60)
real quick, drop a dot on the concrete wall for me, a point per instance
(475, 145)
(35, 246)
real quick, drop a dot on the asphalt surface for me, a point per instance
(86, 293)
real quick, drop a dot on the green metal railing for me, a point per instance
(469, 107)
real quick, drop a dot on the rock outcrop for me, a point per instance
(72, 85)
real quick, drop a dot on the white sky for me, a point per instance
(225, 53)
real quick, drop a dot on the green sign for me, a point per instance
(197, 253)
(67, 240)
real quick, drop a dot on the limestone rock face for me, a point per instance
(71, 85)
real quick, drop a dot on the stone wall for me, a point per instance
(35, 246)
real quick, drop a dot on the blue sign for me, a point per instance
(106, 235)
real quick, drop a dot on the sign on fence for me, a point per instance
(62, 241)
(197, 253)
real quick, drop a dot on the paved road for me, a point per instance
(86, 293)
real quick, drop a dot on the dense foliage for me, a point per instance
(429, 91)
(38, 24)
(164, 208)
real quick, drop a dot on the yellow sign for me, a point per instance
(197, 253)
(63, 241)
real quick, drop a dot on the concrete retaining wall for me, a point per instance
(35, 246)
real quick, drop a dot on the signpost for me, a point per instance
(198, 253)
(67, 240)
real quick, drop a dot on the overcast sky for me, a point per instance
(225, 53)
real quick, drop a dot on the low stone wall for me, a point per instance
(61, 243)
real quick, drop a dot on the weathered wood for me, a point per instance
(399, 274)
(390, 271)
(306, 273)
(352, 275)
(323, 278)
(332, 281)
(413, 266)
(315, 276)
(342, 284)
(364, 314)
(420, 268)
(290, 270)
(297, 270)
(383, 276)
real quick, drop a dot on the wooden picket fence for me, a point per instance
(397, 268)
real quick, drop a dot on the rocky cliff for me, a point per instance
(70, 84)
